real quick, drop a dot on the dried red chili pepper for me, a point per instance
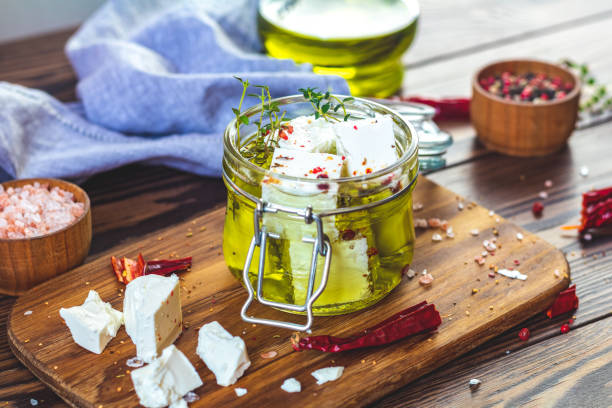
(596, 210)
(446, 108)
(127, 269)
(416, 319)
(565, 302)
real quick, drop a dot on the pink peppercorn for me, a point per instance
(565, 328)
(524, 334)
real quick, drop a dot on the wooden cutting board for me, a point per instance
(209, 292)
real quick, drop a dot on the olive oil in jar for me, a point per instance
(360, 40)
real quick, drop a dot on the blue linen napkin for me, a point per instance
(155, 86)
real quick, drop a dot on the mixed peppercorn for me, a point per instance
(527, 87)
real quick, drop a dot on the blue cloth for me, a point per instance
(155, 86)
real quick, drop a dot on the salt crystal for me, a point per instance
(436, 237)
(420, 223)
(475, 232)
(489, 246)
(417, 206)
(135, 362)
(557, 273)
(33, 402)
(543, 195)
(474, 384)
(584, 171)
(460, 206)
(450, 233)
(491, 213)
(27, 313)
(519, 236)
(410, 274)
(587, 237)
(548, 183)
(240, 391)
(514, 274)
(191, 397)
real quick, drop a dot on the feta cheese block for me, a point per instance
(327, 374)
(368, 145)
(153, 317)
(308, 134)
(225, 355)
(291, 385)
(93, 324)
(164, 382)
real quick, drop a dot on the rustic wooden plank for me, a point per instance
(468, 319)
(450, 29)
(567, 370)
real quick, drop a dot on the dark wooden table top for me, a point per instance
(455, 38)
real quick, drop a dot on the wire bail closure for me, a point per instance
(320, 246)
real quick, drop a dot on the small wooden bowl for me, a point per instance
(26, 262)
(523, 128)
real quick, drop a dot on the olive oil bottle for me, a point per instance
(360, 40)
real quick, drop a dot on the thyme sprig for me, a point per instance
(258, 148)
(323, 104)
(599, 98)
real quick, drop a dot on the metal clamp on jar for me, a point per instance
(361, 228)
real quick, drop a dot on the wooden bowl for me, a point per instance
(26, 262)
(523, 128)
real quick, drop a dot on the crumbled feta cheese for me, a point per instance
(421, 223)
(436, 237)
(291, 385)
(27, 313)
(166, 379)
(93, 324)
(240, 391)
(491, 213)
(514, 274)
(224, 355)
(489, 245)
(543, 195)
(368, 144)
(153, 316)
(411, 273)
(450, 233)
(460, 206)
(584, 171)
(324, 375)
(474, 384)
(475, 232)
(519, 236)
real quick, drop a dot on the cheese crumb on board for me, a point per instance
(512, 274)
(93, 324)
(324, 375)
(153, 317)
(166, 380)
(225, 355)
(240, 391)
(291, 385)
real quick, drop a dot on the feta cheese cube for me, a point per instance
(93, 324)
(153, 317)
(291, 385)
(298, 163)
(223, 354)
(327, 374)
(368, 145)
(308, 134)
(166, 380)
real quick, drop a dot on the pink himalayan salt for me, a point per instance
(35, 209)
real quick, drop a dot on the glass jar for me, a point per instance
(360, 40)
(366, 223)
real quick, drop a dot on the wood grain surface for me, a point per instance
(209, 292)
(454, 39)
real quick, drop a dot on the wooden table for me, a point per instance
(455, 38)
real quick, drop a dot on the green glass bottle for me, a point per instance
(360, 40)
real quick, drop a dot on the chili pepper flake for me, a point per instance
(537, 208)
(422, 317)
(565, 328)
(565, 302)
(524, 334)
